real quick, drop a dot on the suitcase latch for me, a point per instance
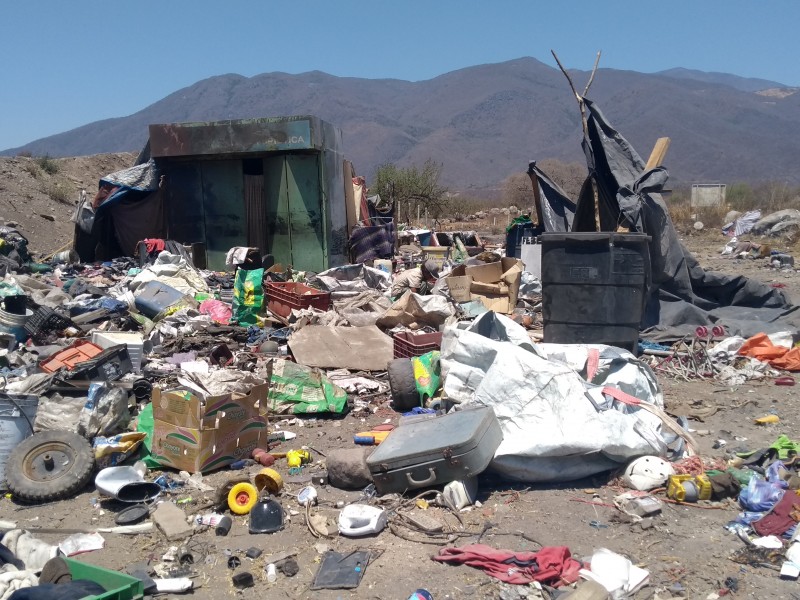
(448, 456)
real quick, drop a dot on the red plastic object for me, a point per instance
(785, 380)
(79, 352)
(284, 296)
(408, 345)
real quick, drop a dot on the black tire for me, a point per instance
(402, 384)
(49, 465)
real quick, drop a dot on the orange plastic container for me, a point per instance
(79, 352)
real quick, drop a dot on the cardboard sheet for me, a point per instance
(357, 348)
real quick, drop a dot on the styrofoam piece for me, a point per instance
(136, 344)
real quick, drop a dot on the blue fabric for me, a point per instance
(75, 590)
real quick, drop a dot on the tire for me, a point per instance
(49, 465)
(402, 384)
(242, 498)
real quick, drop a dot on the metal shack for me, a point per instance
(276, 184)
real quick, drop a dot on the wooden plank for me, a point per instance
(658, 153)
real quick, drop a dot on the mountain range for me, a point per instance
(486, 122)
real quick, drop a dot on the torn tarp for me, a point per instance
(683, 295)
(351, 280)
(557, 426)
(557, 209)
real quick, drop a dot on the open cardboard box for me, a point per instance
(196, 436)
(496, 284)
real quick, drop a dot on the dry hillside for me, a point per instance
(38, 195)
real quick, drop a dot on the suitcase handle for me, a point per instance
(431, 478)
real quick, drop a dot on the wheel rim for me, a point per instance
(242, 499)
(48, 461)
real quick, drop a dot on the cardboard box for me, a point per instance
(459, 287)
(199, 436)
(496, 285)
(498, 303)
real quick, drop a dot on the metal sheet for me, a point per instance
(239, 136)
(185, 213)
(256, 209)
(223, 203)
(279, 242)
(306, 216)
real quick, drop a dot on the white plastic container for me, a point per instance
(137, 345)
(272, 575)
(461, 493)
(356, 520)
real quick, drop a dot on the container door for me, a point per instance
(186, 216)
(223, 203)
(306, 216)
(278, 240)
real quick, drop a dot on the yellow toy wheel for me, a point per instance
(242, 498)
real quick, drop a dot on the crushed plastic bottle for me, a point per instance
(272, 574)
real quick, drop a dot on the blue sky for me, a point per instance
(65, 64)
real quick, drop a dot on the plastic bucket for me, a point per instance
(17, 414)
(69, 257)
(15, 324)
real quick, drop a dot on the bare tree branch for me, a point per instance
(591, 77)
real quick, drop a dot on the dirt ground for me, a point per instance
(686, 551)
(40, 204)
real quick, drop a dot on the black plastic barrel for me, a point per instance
(594, 287)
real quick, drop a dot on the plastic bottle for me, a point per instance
(420, 594)
(272, 574)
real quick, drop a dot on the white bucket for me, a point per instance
(14, 426)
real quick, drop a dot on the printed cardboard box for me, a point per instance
(198, 437)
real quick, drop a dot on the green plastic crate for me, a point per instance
(119, 586)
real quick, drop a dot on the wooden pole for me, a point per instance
(658, 153)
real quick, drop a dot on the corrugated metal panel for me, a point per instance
(256, 208)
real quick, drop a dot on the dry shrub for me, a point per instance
(33, 169)
(58, 192)
(48, 165)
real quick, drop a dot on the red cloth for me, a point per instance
(779, 520)
(154, 245)
(552, 565)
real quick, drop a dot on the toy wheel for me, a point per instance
(242, 498)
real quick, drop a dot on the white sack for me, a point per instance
(556, 426)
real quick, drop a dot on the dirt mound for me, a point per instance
(38, 195)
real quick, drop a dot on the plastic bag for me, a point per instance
(760, 495)
(219, 311)
(105, 411)
(58, 412)
(248, 296)
(113, 451)
(297, 389)
(84, 216)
